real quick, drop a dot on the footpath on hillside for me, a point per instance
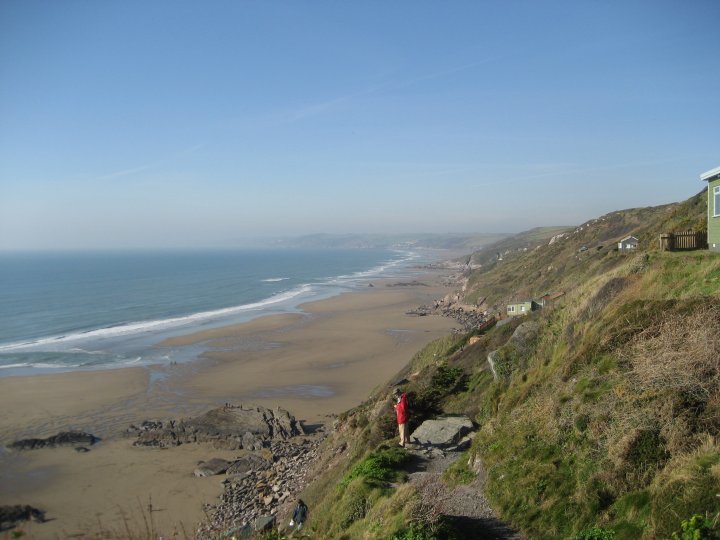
(435, 446)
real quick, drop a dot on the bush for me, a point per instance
(426, 401)
(696, 528)
(380, 466)
(595, 533)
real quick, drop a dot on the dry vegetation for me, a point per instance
(681, 354)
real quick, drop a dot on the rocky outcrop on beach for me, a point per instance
(230, 427)
(258, 490)
(65, 438)
(469, 317)
(11, 516)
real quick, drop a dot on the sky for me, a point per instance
(135, 124)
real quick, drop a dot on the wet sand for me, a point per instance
(317, 363)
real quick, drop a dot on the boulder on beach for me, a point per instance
(230, 427)
(65, 438)
(211, 467)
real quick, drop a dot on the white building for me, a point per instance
(629, 243)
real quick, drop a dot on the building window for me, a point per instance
(522, 308)
(511, 308)
(716, 196)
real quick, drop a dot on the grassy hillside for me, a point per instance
(612, 417)
(531, 266)
(603, 420)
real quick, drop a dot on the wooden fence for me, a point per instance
(683, 240)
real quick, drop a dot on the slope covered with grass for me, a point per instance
(600, 417)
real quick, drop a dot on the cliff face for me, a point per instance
(601, 413)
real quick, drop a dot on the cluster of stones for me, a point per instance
(470, 319)
(256, 489)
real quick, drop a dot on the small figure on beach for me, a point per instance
(299, 515)
(402, 413)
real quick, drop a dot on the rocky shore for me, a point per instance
(257, 484)
(254, 498)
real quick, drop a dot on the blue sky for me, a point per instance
(178, 124)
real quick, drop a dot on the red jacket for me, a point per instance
(401, 409)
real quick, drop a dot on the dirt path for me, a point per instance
(465, 504)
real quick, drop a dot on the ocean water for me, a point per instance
(78, 311)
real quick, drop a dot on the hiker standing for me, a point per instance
(402, 413)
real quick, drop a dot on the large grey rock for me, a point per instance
(231, 427)
(265, 523)
(525, 334)
(211, 467)
(443, 432)
(65, 438)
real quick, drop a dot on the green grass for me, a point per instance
(382, 465)
(459, 473)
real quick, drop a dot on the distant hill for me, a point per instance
(454, 241)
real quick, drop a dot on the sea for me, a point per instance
(99, 310)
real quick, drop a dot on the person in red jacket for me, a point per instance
(402, 413)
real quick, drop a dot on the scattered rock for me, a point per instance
(81, 449)
(211, 467)
(10, 516)
(470, 317)
(65, 438)
(442, 432)
(251, 462)
(264, 488)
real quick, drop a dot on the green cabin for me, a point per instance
(713, 226)
(520, 308)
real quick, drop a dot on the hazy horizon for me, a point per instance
(133, 125)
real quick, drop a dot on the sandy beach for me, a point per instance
(316, 363)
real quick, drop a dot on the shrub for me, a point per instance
(696, 528)
(380, 466)
(595, 533)
(427, 400)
